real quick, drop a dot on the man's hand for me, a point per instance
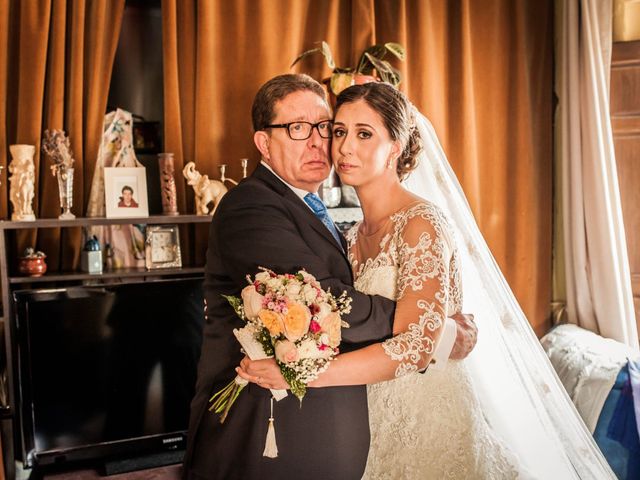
(466, 336)
(264, 373)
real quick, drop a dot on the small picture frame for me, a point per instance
(125, 192)
(162, 247)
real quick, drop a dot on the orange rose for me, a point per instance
(272, 321)
(296, 321)
(332, 326)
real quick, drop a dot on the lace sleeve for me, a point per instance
(424, 255)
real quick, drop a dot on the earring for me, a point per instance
(389, 162)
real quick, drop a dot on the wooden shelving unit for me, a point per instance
(10, 281)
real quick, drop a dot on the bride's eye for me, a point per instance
(339, 132)
(364, 134)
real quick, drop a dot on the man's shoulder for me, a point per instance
(253, 194)
(251, 190)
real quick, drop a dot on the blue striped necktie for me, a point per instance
(321, 212)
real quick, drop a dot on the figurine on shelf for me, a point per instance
(22, 180)
(32, 263)
(223, 171)
(57, 147)
(207, 192)
(108, 257)
(91, 256)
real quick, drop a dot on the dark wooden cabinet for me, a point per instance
(625, 121)
(11, 280)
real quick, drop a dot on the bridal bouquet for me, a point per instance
(291, 317)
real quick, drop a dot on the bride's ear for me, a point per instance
(396, 150)
(261, 139)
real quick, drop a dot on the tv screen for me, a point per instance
(106, 372)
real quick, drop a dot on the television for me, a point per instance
(106, 373)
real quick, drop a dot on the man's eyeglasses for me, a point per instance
(302, 130)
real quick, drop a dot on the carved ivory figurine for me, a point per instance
(22, 180)
(207, 191)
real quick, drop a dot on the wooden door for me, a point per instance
(625, 120)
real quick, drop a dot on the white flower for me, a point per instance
(309, 293)
(262, 277)
(293, 290)
(252, 302)
(309, 349)
(325, 309)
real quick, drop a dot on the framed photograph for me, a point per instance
(162, 247)
(125, 192)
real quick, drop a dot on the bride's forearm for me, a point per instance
(361, 367)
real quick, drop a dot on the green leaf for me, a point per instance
(304, 55)
(396, 49)
(364, 64)
(380, 65)
(298, 388)
(324, 49)
(328, 56)
(391, 76)
(340, 81)
(236, 303)
(264, 337)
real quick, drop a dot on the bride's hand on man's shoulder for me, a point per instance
(264, 373)
(466, 336)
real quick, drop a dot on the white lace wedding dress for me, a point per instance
(423, 426)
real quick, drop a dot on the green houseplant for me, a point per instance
(371, 66)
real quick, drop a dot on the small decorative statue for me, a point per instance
(22, 180)
(57, 147)
(167, 184)
(208, 192)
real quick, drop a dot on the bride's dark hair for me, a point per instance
(398, 116)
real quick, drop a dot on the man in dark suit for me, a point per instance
(265, 221)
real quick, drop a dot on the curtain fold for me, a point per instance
(59, 75)
(595, 273)
(482, 71)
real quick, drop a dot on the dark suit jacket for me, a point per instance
(262, 222)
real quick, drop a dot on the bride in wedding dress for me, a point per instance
(499, 414)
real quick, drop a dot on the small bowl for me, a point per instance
(32, 266)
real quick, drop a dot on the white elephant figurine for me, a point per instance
(208, 192)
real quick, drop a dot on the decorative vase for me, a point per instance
(167, 184)
(65, 189)
(339, 81)
(22, 180)
(32, 266)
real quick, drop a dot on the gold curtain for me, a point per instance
(482, 71)
(58, 73)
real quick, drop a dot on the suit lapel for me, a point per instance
(266, 176)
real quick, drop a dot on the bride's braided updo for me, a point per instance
(397, 114)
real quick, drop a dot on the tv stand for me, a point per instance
(161, 459)
(11, 280)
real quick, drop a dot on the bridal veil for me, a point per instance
(521, 396)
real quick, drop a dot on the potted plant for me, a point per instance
(370, 67)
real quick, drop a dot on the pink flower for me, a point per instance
(286, 351)
(314, 326)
